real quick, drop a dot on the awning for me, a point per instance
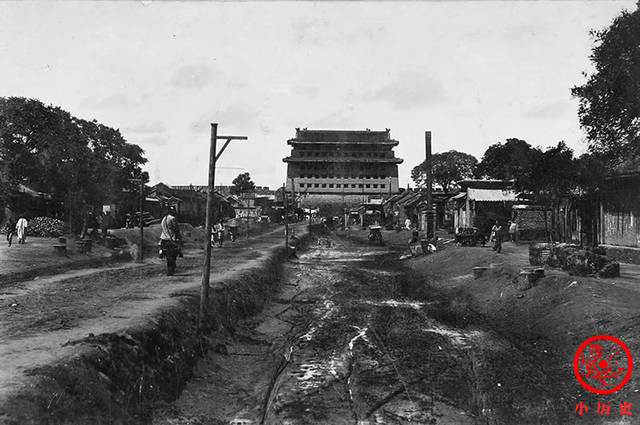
(530, 207)
(459, 195)
(492, 195)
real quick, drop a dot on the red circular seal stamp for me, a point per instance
(602, 364)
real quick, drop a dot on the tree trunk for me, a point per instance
(85, 222)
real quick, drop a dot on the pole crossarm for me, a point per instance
(228, 139)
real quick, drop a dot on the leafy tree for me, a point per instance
(79, 162)
(242, 183)
(591, 173)
(513, 159)
(554, 174)
(609, 108)
(446, 168)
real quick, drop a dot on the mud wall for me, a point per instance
(118, 378)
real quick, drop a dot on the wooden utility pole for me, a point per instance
(430, 228)
(345, 217)
(293, 193)
(140, 180)
(206, 269)
(140, 255)
(286, 220)
(246, 200)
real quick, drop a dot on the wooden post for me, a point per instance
(140, 255)
(293, 193)
(206, 269)
(430, 217)
(286, 220)
(246, 199)
(213, 158)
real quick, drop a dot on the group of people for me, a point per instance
(18, 228)
(93, 223)
(219, 231)
(497, 234)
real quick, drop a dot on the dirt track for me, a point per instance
(41, 318)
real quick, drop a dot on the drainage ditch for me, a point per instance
(351, 338)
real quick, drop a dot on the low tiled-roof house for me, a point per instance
(481, 202)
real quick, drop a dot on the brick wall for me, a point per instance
(531, 224)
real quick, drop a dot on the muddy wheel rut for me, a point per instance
(348, 341)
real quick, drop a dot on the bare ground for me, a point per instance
(357, 337)
(40, 319)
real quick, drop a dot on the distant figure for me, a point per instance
(513, 230)
(218, 233)
(98, 223)
(21, 229)
(407, 224)
(128, 221)
(106, 223)
(496, 235)
(11, 229)
(92, 223)
(415, 237)
(233, 229)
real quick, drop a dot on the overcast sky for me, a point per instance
(474, 73)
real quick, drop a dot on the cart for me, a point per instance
(470, 236)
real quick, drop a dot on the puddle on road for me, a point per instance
(329, 308)
(460, 338)
(416, 305)
(462, 277)
(330, 255)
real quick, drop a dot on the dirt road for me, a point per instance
(41, 318)
(353, 339)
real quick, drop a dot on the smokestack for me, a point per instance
(429, 216)
(427, 161)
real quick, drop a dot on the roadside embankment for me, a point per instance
(118, 375)
(549, 320)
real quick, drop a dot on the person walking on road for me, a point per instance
(106, 224)
(513, 229)
(233, 229)
(11, 229)
(21, 229)
(218, 232)
(496, 234)
(170, 240)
